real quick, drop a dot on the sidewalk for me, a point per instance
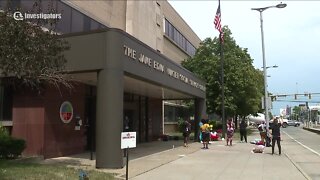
(168, 160)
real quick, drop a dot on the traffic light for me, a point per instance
(310, 96)
(295, 96)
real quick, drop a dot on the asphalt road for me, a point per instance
(303, 148)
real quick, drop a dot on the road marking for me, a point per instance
(303, 145)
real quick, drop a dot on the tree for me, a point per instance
(297, 112)
(30, 54)
(243, 83)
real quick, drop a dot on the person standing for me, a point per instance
(276, 135)
(205, 133)
(243, 131)
(230, 131)
(200, 134)
(263, 132)
(186, 132)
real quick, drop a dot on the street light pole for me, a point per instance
(266, 106)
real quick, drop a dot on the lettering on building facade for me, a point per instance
(147, 61)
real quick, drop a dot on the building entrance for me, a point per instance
(135, 116)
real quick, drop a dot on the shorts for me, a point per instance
(205, 136)
(186, 134)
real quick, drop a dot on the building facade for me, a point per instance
(124, 59)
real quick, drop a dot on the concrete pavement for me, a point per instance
(169, 160)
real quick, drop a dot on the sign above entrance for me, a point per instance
(66, 112)
(128, 140)
(149, 62)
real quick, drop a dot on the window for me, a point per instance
(86, 23)
(178, 38)
(94, 25)
(64, 24)
(15, 4)
(5, 104)
(2, 4)
(77, 21)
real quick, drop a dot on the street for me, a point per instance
(303, 148)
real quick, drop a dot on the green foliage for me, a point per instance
(243, 84)
(296, 110)
(3, 132)
(181, 125)
(30, 54)
(10, 147)
(215, 124)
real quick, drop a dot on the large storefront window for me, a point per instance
(172, 113)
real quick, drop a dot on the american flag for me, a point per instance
(217, 22)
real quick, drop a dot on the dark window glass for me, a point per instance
(178, 38)
(15, 4)
(77, 21)
(45, 6)
(86, 23)
(64, 24)
(166, 27)
(2, 4)
(5, 104)
(27, 6)
(94, 25)
(101, 26)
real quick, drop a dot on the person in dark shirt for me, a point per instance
(243, 131)
(276, 135)
(186, 132)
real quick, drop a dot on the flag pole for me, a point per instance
(222, 86)
(217, 23)
(224, 129)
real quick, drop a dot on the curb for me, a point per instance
(312, 130)
(298, 167)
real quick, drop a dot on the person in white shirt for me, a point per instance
(263, 131)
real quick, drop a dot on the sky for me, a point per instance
(291, 38)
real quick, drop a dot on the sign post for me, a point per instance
(128, 140)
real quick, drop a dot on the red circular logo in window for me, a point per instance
(66, 112)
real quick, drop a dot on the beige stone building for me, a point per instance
(125, 58)
(155, 23)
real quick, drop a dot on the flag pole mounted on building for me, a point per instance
(217, 25)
